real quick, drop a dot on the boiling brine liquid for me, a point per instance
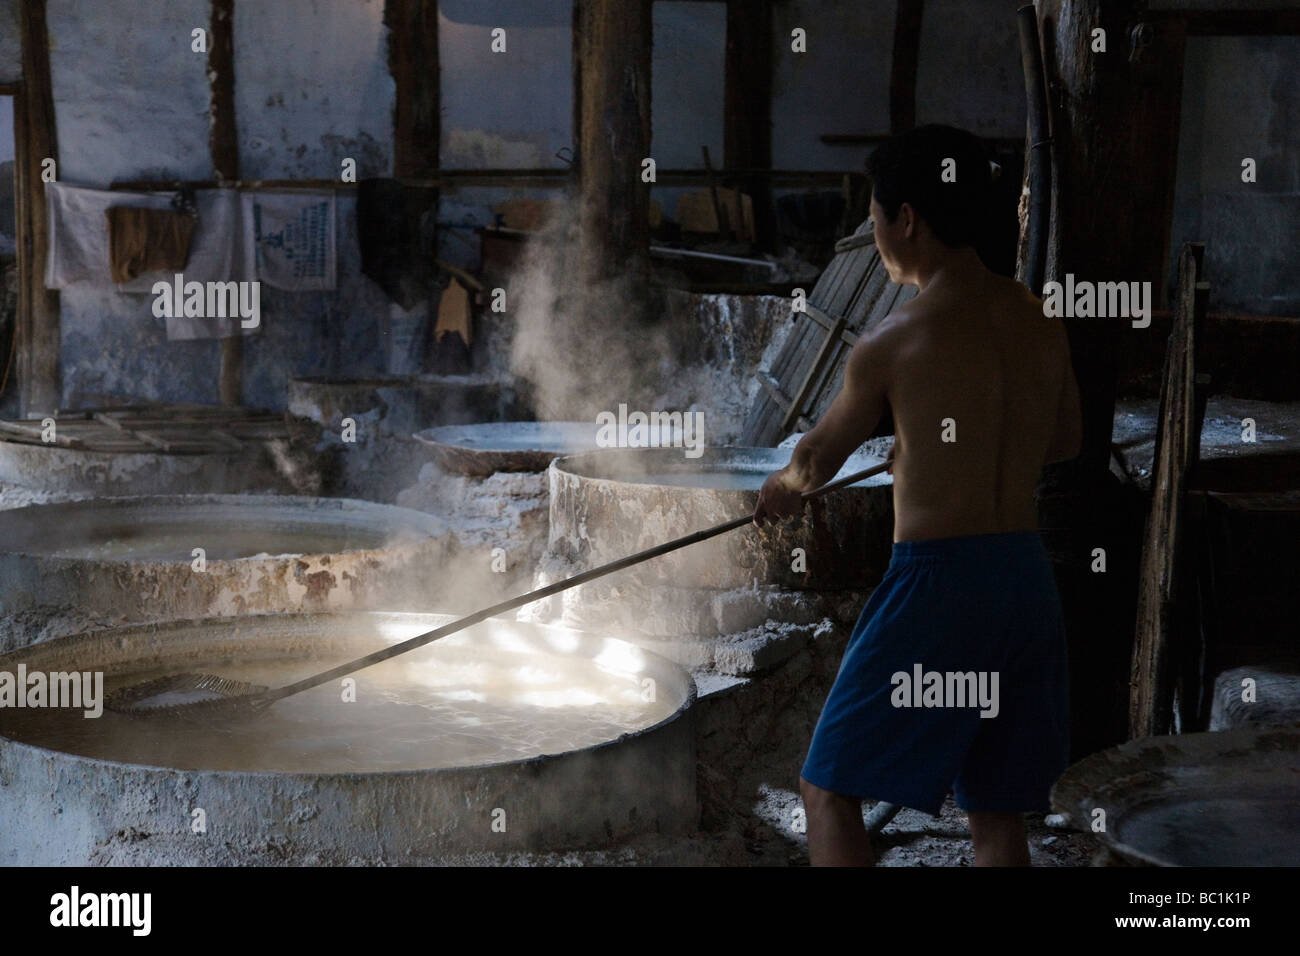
(445, 705)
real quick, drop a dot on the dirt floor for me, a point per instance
(912, 839)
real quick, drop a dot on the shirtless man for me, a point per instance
(983, 395)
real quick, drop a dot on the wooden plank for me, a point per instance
(791, 347)
(870, 284)
(193, 411)
(817, 344)
(813, 405)
(169, 434)
(224, 439)
(29, 429)
(827, 322)
(833, 275)
(830, 278)
(795, 377)
(801, 395)
(34, 429)
(774, 390)
(38, 324)
(259, 430)
(810, 355)
(131, 423)
(155, 440)
(825, 391)
(182, 444)
(834, 295)
(166, 418)
(825, 367)
(855, 241)
(182, 429)
(874, 283)
(842, 295)
(775, 424)
(783, 353)
(34, 433)
(804, 337)
(809, 344)
(1160, 615)
(785, 368)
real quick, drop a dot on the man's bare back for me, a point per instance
(976, 377)
(982, 393)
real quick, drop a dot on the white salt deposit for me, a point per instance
(506, 510)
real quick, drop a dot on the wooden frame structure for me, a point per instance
(413, 60)
(850, 297)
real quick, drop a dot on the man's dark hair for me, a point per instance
(909, 168)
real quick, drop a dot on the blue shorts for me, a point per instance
(955, 677)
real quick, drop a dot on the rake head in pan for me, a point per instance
(184, 695)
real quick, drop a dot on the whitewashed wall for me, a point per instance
(312, 86)
(131, 102)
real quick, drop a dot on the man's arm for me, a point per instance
(849, 422)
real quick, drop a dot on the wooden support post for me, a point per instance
(223, 143)
(223, 140)
(37, 327)
(903, 65)
(747, 113)
(1114, 120)
(1162, 621)
(413, 62)
(614, 139)
(1115, 124)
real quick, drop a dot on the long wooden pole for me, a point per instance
(510, 604)
(1161, 617)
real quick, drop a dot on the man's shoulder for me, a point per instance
(883, 338)
(906, 325)
(901, 317)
